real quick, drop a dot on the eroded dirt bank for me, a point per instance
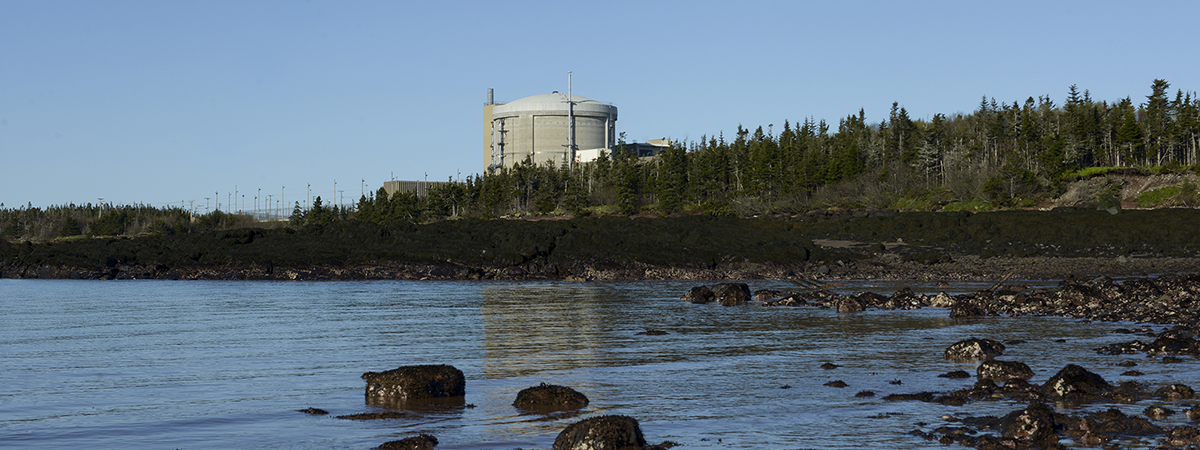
(1063, 243)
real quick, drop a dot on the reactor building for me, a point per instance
(557, 128)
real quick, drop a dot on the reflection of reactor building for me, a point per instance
(525, 332)
(550, 127)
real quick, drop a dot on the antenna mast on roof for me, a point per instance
(570, 125)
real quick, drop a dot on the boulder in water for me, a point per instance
(974, 349)
(422, 442)
(550, 397)
(732, 294)
(601, 433)
(1004, 371)
(410, 383)
(699, 294)
(1075, 382)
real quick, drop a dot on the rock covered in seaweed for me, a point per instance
(410, 383)
(421, 442)
(731, 294)
(611, 432)
(699, 294)
(1003, 371)
(1075, 383)
(550, 397)
(974, 349)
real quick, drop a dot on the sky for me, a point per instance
(181, 103)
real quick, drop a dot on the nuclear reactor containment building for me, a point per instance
(551, 127)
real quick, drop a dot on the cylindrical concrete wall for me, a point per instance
(539, 127)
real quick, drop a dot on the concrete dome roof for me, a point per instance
(555, 101)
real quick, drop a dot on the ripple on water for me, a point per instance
(166, 364)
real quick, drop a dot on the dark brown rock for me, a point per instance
(1157, 412)
(422, 442)
(850, 305)
(1003, 371)
(955, 374)
(601, 433)
(1115, 422)
(732, 294)
(314, 411)
(1176, 392)
(1183, 436)
(411, 383)
(1035, 424)
(652, 333)
(377, 415)
(974, 349)
(550, 397)
(699, 294)
(1075, 383)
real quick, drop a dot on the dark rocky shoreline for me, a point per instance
(1058, 244)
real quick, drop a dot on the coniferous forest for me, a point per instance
(1005, 154)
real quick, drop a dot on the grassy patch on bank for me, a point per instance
(972, 206)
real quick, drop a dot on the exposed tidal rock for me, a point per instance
(421, 442)
(974, 349)
(1039, 427)
(314, 411)
(1034, 423)
(611, 432)
(1176, 392)
(1183, 437)
(972, 305)
(1157, 412)
(1003, 371)
(550, 397)
(955, 374)
(941, 300)
(789, 300)
(377, 415)
(763, 295)
(699, 294)
(1076, 383)
(410, 383)
(731, 294)
(850, 305)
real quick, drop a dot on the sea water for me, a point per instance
(213, 364)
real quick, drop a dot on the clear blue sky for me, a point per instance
(164, 102)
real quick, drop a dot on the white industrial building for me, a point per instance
(555, 127)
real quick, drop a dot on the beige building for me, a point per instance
(554, 127)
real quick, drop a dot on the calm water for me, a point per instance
(188, 364)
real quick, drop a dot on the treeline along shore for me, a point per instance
(884, 244)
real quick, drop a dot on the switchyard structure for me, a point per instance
(556, 128)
